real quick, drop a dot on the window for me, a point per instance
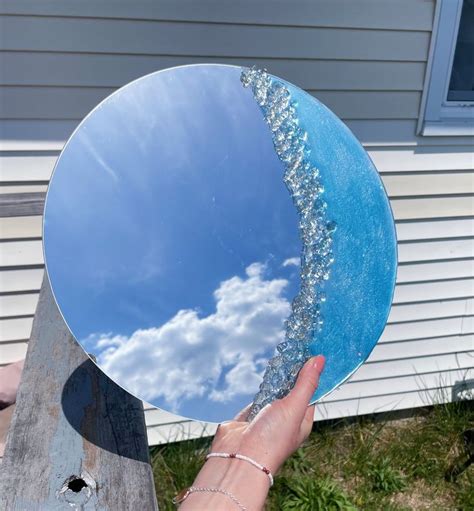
(448, 99)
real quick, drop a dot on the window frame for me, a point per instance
(439, 117)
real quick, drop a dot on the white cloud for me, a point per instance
(188, 355)
(292, 261)
(243, 378)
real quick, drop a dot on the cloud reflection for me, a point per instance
(292, 261)
(221, 355)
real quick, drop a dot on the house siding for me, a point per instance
(365, 59)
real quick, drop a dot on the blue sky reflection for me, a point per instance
(171, 240)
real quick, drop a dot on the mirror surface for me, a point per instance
(173, 249)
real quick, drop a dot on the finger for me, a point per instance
(306, 384)
(242, 415)
(222, 429)
(307, 423)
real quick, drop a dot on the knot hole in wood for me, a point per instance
(77, 489)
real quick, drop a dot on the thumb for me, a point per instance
(242, 415)
(306, 384)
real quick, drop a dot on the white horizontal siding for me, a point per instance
(433, 207)
(17, 280)
(381, 14)
(435, 270)
(429, 184)
(20, 227)
(17, 329)
(365, 59)
(86, 35)
(436, 308)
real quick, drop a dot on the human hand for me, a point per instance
(279, 428)
(270, 438)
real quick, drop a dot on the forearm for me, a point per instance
(247, 484)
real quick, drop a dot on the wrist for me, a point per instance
(243, 457)
(248, 484)
(258, 451)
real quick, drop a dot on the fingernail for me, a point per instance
(318, 362)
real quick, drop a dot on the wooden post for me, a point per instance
(77, 440)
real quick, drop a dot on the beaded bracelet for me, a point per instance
(184, 494)
(243, 458)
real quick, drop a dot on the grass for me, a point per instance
(369, 464)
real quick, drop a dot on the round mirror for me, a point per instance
(209, 227)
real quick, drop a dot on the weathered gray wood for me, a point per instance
(22, 204)
(77, 440)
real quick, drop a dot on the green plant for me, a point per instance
(299, 462)
(308, 494)
(432, 442)
(383, 477)
(364, 437)
(175, 466)
(465, 492)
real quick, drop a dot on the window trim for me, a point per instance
(438, 117)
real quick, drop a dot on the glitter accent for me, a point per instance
(316, 231)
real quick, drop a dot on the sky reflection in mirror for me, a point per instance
(172, 242)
